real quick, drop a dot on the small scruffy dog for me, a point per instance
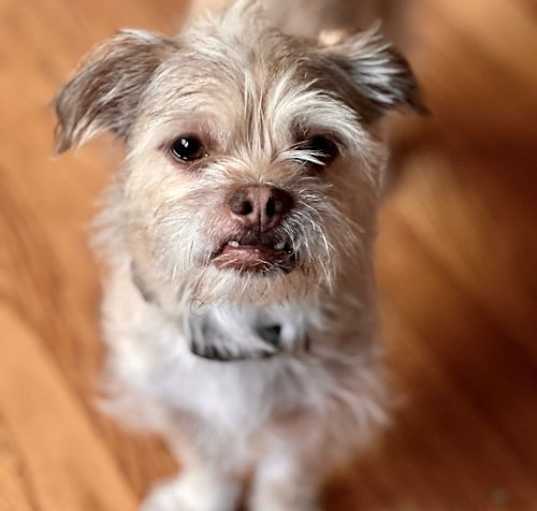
(240, 306)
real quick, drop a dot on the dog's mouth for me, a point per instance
(256, 254)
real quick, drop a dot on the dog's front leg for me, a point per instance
(201, 487)
(286, 481)
(195, 490)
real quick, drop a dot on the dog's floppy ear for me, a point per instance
(381, 74)
(106, 89)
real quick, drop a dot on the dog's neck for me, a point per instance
(232, 333)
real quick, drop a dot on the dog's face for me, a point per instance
(251, 172)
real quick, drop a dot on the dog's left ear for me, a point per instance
(105, 92)
(379, 72)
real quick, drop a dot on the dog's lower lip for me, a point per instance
(253, 258)
(252, 250)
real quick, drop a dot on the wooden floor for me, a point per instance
(457, 262)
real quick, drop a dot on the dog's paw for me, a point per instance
(194, 492)
(283, 499)
(164, 498)
(281, 506)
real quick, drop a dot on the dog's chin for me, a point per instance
(248, 284)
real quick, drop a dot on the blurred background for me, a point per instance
(456, 260)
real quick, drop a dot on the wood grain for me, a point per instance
(456, 261)
(51, 432)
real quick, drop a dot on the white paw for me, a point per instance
(286, 498)
(164, 498)
(279, 501)
(193, 492)
(280, 506)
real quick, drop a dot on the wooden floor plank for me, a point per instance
(15, 491)
(64, 460)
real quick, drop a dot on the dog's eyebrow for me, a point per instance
(311, 109)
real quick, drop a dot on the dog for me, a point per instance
(239, 308)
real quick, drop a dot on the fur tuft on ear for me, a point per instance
(245, 8)
(244, 13)
(106, 89)
(379, 71)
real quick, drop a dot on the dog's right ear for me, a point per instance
(378, 71)
(105, 92)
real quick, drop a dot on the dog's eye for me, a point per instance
(187, 148)
(323, 148)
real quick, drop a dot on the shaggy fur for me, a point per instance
(271, 374)
(308, 18)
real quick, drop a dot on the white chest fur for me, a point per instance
(150, 355)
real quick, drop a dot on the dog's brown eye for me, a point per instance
(187, 148)
(324, 149)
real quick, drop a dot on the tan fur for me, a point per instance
(308, 18)
(255, 98)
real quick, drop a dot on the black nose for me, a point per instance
(260, 207)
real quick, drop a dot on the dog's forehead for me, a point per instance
(255, 48)
(214, 67)
(266, 81)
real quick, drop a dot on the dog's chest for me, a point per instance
(154, 359)
(248, 364)
(242, 395)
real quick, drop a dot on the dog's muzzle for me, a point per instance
(256, 253)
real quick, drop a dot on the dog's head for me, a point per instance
(251, 173)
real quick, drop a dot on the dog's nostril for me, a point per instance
(271, 208)
(240, 204)
(261, 206)
(244, 208)
(279, 203)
